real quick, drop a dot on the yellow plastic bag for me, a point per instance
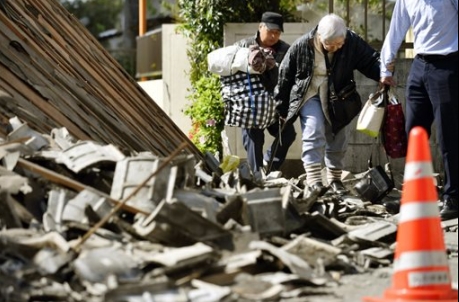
(230, 163)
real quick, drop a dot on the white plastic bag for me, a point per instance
(220, 60)
(229, 60)
(241, 62)
(372, 115)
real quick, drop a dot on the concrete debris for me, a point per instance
(84, 154)
(83, 221)
(14, 184)
(22, 130)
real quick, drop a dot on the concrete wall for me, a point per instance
(175, 76)
(176, 85)
(154, 88)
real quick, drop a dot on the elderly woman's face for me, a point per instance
(333, 45)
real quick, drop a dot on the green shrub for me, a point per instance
(206, 113)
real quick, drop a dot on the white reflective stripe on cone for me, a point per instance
(418, 210)
(417, 279)
(418, 170)
(419, 260)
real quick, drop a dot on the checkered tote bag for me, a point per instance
(247, 103)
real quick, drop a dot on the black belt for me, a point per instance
(433, 58)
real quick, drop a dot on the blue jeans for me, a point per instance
(319, 143)
(432, 95)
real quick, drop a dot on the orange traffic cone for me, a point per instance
(421, 270)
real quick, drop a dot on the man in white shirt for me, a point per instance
(432, 91)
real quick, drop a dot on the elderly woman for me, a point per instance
(303, 89)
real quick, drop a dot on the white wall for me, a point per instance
(154, 89)
(175, 76)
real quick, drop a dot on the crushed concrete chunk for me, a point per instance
(297, 265)
(86, 154)
(14, 184)
(179, 256)
(312, 251)
(96, 265)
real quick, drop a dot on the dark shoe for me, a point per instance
(315, 190)
(449, 209)
(440, 204)
(392, 206)
(338, 187)
(310, 196)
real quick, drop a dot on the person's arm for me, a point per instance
(270, 77)
(399, 25)
(287, 72)
(366, 57)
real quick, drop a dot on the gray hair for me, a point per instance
(332, 26)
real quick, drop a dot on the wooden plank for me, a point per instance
(72, 184)
(27, 95)
(75, 83)
(46, 69)
(114, 84)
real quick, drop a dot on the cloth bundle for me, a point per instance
(229, 60)
(261, 59)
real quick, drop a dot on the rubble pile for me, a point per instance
(84, 221)
(88, 214)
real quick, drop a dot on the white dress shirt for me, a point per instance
(434, 24)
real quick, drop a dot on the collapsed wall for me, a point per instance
(54, 73)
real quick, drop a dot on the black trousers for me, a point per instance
(432, 96)
(254, 139)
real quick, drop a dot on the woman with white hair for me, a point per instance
(303, 89)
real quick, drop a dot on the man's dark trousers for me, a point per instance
(254, 139)
(432, 95)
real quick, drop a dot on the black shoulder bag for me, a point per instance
(343, 106)
(375, 184)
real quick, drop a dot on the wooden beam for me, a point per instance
(73, 184)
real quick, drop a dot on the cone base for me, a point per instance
(415, 296)
(409, 284)
(371, 299)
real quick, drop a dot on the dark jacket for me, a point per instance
(296, 70)
(268, 78)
